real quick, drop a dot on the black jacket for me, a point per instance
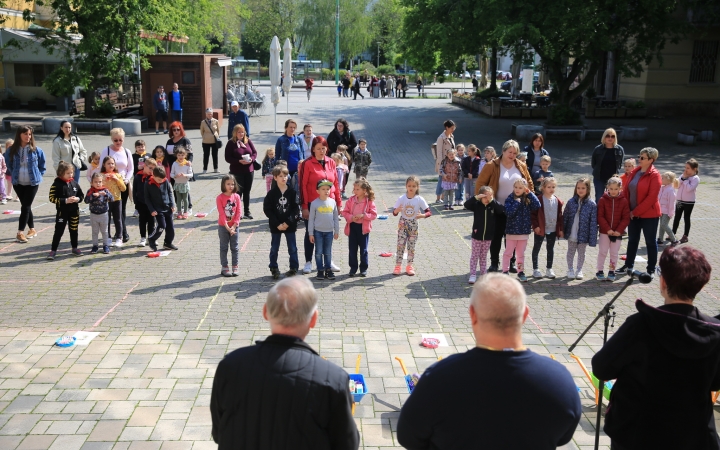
(279, 394)
(170, 99)
(281, 207)
(139, 188)
(598, 155)
(335, 138)
(60, 191)
(666, 361)
(159, 199)
(484, 218)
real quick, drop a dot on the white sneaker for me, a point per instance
(204, 171)
(537, 274)
(112, 243)
(472, 279)
(334, 268)
(136, 213)
(549, 273)
(189, 212)
(3, 201)
(143, 242)
(579, 275)
(118, 243)
(216, 171)
(308, 267)
(571, 274)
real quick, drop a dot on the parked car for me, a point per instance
(478, 74)
(467, 74)
(506, 85)
(446, 73)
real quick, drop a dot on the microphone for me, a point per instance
(642, 277)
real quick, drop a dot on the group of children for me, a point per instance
(459, 172)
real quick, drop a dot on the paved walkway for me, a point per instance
(144, 382)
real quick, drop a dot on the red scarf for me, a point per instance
(153, 182)
(68, 181)
(93, 190)
(144, 176)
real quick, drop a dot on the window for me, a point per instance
(704, 62)
(32, 74)
(188, 77)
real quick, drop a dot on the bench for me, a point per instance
(6, 122)
(77, 107)
(573, 132)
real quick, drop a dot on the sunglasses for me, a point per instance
(117, 140)
(176, 129)
(611, 136)
(642, 158)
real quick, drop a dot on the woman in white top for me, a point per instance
(69, 148)
(124, 164)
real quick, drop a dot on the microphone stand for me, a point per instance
(607, 314)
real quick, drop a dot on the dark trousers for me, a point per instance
(72, 220)
(207, 149)
(123, 215)
(357, 92)
(681, 208)
(309, 246)
(497, 240)
(648, 227)
(26, 195)
(537, 245)
(599, 188)
(115, 212)
(177, 115)
(275, 249)
(244, 181)
(358, 241)
(147, 222)
(164, 223)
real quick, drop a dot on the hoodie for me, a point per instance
(281, 207)
(484, 217)
(666, 361)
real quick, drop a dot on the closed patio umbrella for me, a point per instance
(287, 66)
(275, 75)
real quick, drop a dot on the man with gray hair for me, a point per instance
(279, 393)
(479, 398)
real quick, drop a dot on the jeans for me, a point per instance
(26, 195)
(275, 249)
(345, 92)
(233, 242)
(599, 188)
(537, 245)
(460, 191)
(245, 181)
(323, 248)
(98, 225)
(177, 115)
(207, 149)
(439, 188)
(358, 241)
(62, 219)
(648, 227)
(164, 223)
(681, 208)
(77, 174)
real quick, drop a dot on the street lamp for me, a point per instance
(378, 58)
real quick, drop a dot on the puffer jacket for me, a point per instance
(518, 214)
(450, 170)
(71, 151)
(588, 226)
(483, 217)
(613, 213)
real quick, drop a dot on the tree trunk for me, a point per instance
(493, 69)
(90, 103)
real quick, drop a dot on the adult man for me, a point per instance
(356, 88)
(477, 399)
(383, 85)
(474, 83)
(160, 103)
(346, 85)
(666, 361)
(235, 117)
(176, 99)
(279, 394)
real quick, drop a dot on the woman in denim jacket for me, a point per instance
(26, 165)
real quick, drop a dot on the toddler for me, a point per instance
(115, 184)
(359, 212)
(7, 176)
(485, 209)
(687, 189)
(268, 163)
(543, 172)
(228, 204)
(323, 227)
(99, 198)
(65, 192)
(93, 166)
(160, 201)
(282, 210)
(460, 191)
(145, 220)
(362, 158)
(451, 176)
(547, 223)
(341, 168)
(347, 161)
(580, 226)
(613, 216)
(411, 207)
(667, 197)
(518, 208)
(628, 167)
(182, 173)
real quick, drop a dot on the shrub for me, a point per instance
(386, 69)
(103, 108)
(490, 93)
(563, 115)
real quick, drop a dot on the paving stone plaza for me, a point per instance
(144, 382)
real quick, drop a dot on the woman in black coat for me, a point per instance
(341, 135)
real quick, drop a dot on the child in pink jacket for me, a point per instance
(667, 198)
(359, 212)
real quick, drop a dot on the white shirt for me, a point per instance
(411, 207)
(507, 179)
(123, 162)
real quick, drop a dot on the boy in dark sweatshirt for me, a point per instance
(147, 222)
(65, 192)
(160, 201)
(281, 208)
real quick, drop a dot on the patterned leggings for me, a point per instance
(479, 253)
(407, 235)
(574, 246)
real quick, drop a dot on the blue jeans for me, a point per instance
(323, 247)
(358, 240)
(460, 191)
(177, 115)
(77, 174)
(599, 186)
(438, 188)
(648, 227)
(275, 248)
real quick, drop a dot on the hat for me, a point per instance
(234, 103)
(209, 110)
(324, 182)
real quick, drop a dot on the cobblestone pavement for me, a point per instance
(144, 382)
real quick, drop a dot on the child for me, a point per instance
(628, 166)
(474, 162)
(687, 189)
(359, 212)
(347, 162)
(451, 176)
(460, 191)
(411, 207)
(3, 171)
(543, 172)
(161, 203)
(485, 209)
(115, 184)
(547, 223)
(362, 158)
(7, 176)
(340, 168)
(613, 216)
(667, 197)
(580, 226)
(282, 210)
(490, 154)
(323, 227)
(518, 207)
(146, 221)
(161, 158)
(65, 192)
(522, 156)
(94, 167)
(138, 162)
(99, 198)
(339, 88)
(268, 164)
(229, 208)
(181, 172)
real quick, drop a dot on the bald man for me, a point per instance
(499, 395)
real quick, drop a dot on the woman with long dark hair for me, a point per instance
(341, 135)
(240, 153)
(69, 148)
(26, 165)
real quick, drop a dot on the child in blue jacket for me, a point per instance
(518, 207)
(580, 226)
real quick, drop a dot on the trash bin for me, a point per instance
(376, 91)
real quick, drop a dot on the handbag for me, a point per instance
(83, 166)
(218, 142)
(257, 165)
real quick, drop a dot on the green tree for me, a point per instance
(216, 27)
(386, 20)
(268, 18)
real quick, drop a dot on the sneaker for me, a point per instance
(549, 273)
(235, 271)
(513, 267)
(506, 273)
(623, 269)
(165, 131)
(106, 249)
(397, 270)
(660, 242)
(225, 271)
(363, 273)
(343, 196)
(329, 275)
(291, 273)
(152, 245)
(169, 246)
(333, 267)
(248, 216)
(600, 276)
(51, 255)
(351, 274)
(157, 132)
(216, 171)
(571, 274)
(438, 201)
(143, 242)
(3, 202)
(684, 239)
(521, 276)
(76, 252)
(410, 270)
(21, 238)
(450, 208)
(611, 276)
(308, 267)
(275, 273)
(472, 279)
(136, 213)
(579, 275)
(94, 249)
(320, 275)
(674, 243)
(537, 273)
(118, 243)
(31, 233)
(204, 171)
(126, 238)
(492, 269)
(652, 275)
(189, 213)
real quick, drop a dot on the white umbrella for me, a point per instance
(275, 75)
(287, 67)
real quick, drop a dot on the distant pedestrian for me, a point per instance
(308, 86)
(356, 89)
(346, 85)
(339, 88)
(210, 133)
(383, 86)
(474, 83)
(240, 153)
(419, 84)
(176, 102)
(160, 103)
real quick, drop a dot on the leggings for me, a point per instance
(207, 149)
(26, 195)
(245, 181)
(181, 198)
(479, 254)
(72, 220)
(574, 246)
(516, 247)
(146, 221)
(680, 208)
(537, 245)
(407, 236)
(665, 228)
(268, 182)
(123, 213)
(115, 212)
(605, 245)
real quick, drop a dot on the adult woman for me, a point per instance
(125, 166)
(607, 160)
(288, 147)
(26, 165)
(419, 84)
(500, 174)
(445, 142)
(673, 341)
(535, 151)
(306, 141)
(341, 135)
(317, 167)
(69, 148)
(241, 154)
(178, 139)
(642, 191)
(210, 132)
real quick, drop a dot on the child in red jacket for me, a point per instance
(613, 217)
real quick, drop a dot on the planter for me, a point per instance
(605, 112)
(37, 105)
(639, 112)
(11, 103)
